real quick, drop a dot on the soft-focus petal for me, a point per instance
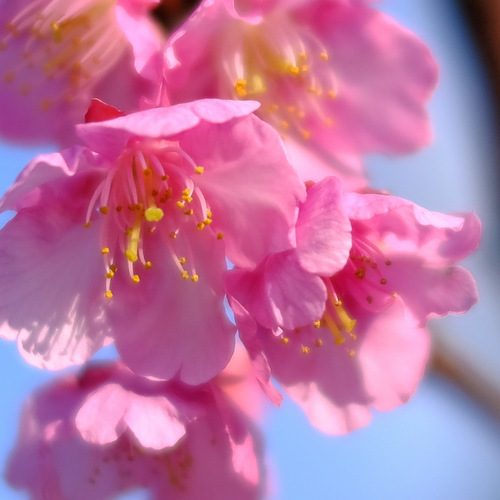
(323, 230)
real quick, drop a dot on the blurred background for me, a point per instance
(445, 443)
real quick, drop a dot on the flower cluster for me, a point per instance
(210, 197)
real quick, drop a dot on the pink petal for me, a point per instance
(166, 325)
(393, 355)
(49, 297)
(385, 77)
(110, 137)
(153, 420)
(250, 186)
(323, 230)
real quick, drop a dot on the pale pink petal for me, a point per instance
(167, 326)
(219, 452)
(153, 420)
(49, 296)
(430, 291)
(393, 354)
(250, 186)
(311, 165)
(248, 333)
(324, 379)
(384, 73)
(323, 230)
(111, 137)
(50, 78)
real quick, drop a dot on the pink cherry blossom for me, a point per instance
(127, 240)
(368, 345)
(336, 76)
(56, 55)
(107, 431)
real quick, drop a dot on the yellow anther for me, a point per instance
(318, 342)
(180, 204)
(45, 104)
(347, 321)
(153, 214)
(87, 224)
(291, 109)
(135, 278)
(147, 172)
(285, 125)
(12, 28)
(148, 265)
(324, 56)
(189, 211)
(173, 235)
(303, 56)
(195, 278)
(9, 76)
(285, 340)
(207, 222)
(294, 70)
(104, 210)
(113, 268)
(57, 34)
(164, 177)
(339, 339)
(182, 260)
(317, 324)
(108, 294)
(105, 250)
(272, 108)
(186, 192)
(220, 236)
(109, 274)
(240, 87)
(352, 353)
(200, 225)
(185, 275)
(131, 256)
(199, 169)
(332, 94)
(305, 134)
(305, 349)
(209, 213)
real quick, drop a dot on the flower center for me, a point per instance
(150, 193)
(335, 320)
(58, 42)
(365, 276)
(286, 69)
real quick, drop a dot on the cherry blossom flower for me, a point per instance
(368, 345)
(108, 431)
(56, 55)
(127, 240)
(338, 77)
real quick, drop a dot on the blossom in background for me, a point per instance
(127, 240)
(338, 77)
(368, 344)
(55, 56)
(107, 431)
